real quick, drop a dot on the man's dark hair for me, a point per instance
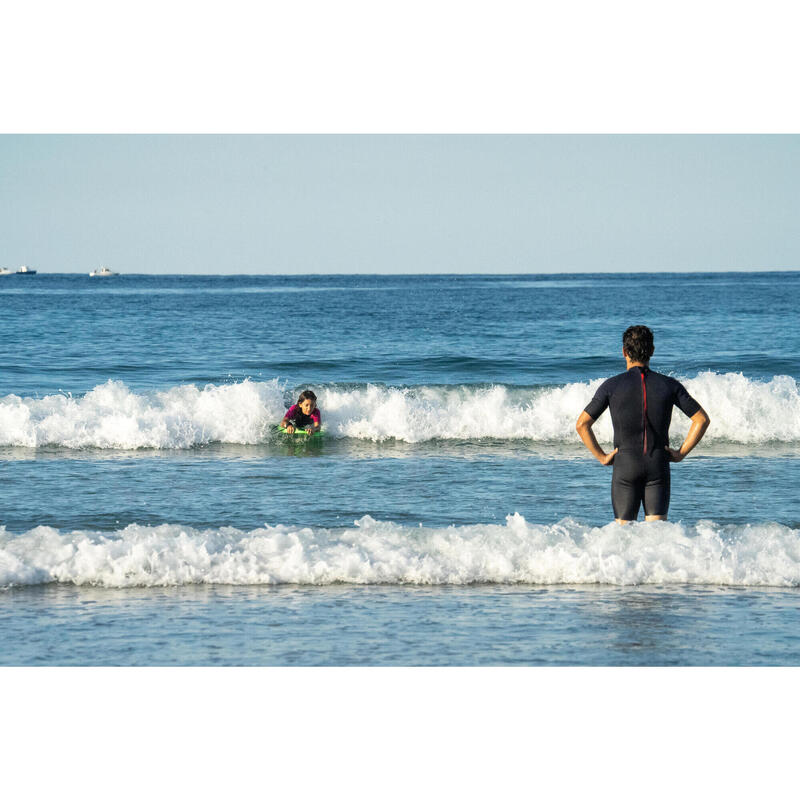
(306, 395)
(638, 343)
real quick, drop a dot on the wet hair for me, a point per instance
(307, 395)
(638, 343)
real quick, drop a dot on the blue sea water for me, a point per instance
(151, 515)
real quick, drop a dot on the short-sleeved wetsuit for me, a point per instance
(641, 404)
(296, 417)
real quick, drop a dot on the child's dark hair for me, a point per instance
(638, 343)
(307, 395)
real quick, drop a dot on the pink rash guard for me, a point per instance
(297, 418)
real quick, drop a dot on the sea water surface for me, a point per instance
(149, 513)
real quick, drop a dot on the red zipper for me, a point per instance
(644, 412)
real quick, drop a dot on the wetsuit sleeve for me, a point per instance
(291, 413)
(316, 416)
(685, 401)
(599, 403)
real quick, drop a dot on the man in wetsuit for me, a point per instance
(641, 404)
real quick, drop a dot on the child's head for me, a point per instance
(307, 401)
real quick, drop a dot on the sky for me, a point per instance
(298, 204)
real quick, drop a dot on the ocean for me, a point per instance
(151, 515)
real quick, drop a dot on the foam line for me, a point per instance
(374, 552)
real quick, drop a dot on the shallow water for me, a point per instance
(401, 626)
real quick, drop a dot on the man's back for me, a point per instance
(640, 402)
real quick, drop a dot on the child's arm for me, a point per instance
(286, 422)
(316, 423)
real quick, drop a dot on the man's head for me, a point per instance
(637, 343)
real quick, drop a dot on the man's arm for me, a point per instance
(700, 423)
(584, 428)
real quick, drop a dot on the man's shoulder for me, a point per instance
(615, 380)
(666, 379)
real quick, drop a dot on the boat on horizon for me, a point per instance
(25, 271)
(4, 271)
(102, 272)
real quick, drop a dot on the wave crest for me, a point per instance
(112, 416)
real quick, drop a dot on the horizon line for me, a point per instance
(678, 271)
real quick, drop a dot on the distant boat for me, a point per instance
(4, 271)
(103, 272)
(26, 271)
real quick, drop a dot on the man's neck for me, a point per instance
(636, 363)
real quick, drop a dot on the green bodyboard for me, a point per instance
(301, 432)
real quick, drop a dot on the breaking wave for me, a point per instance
(113, 416)
(374, 552)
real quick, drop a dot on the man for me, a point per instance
(641, 404)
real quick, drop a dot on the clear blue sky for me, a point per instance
(388, 204)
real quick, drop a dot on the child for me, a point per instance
(304, 414)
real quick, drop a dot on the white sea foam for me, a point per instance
(741, 409)
(373, 552)
(112, 416)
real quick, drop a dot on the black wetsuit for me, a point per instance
(641, 404)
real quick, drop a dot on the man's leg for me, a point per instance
(627, 486)
(657, 488)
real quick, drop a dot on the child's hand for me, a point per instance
(309, 431)
(290, 428)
